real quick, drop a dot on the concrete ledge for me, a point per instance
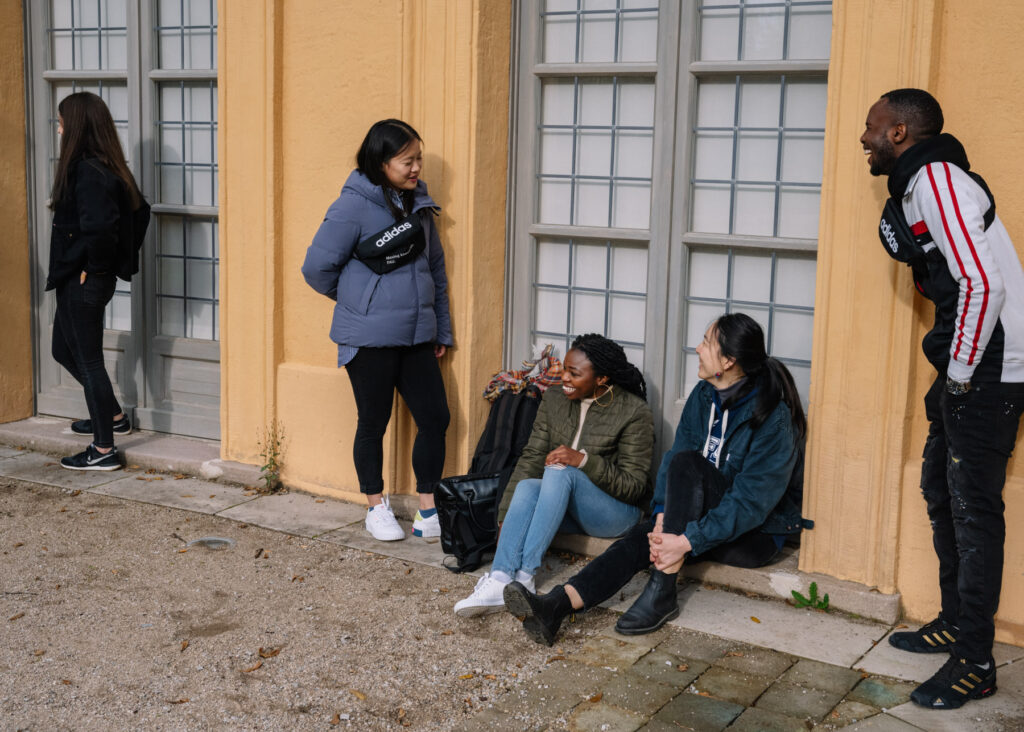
(777, 580)
(169, 453)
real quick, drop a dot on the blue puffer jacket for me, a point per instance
(404, 307)
(764, 467)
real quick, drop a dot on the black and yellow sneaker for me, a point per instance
(92, 459)
(937, 636)
(955, 684)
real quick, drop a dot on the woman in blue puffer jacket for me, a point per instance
(377, 254)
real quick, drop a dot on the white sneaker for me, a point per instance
(381, 523)
(426, 527)
(487, 597)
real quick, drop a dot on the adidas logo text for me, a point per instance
(392, 233)
(887, 232)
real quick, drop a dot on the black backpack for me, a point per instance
(132, 233)
(467, 505)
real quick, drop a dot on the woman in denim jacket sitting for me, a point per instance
(585, 469)
(729, 489)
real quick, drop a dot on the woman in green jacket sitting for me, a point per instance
(585, 469)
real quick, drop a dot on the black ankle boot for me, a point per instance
(657, 604)
(543, 613)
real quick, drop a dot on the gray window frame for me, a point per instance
(527, 75)
(686, 96)
(669, 240)
(144, 358)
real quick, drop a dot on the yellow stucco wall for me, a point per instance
(290, 126)
(298, 89)
(869, 377)
(15, 293)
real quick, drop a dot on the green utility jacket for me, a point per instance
(618, 438)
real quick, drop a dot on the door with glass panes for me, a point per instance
(667, 169)
(155, 65)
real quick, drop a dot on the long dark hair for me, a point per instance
(608, 359)
(741, 338)
(384, 140)
(89, 132)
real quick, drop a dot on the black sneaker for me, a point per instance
(955, 684)
(936, 637)
(93, 459)
(122, 426)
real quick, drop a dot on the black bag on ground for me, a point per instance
(467, 505)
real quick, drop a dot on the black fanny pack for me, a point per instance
(905, 243)
(393, 247)
(896, 235)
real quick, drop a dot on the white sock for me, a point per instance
(501, 577)
(523, 577)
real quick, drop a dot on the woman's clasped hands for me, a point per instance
(563, 456)
(667, 550)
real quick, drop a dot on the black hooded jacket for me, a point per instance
(930, 269)
(85, 223)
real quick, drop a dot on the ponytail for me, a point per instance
(776, 384)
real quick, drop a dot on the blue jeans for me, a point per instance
(564, 498)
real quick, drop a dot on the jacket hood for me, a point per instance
(360, 185)
(942, 148)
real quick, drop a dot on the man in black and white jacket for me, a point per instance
(941, 221)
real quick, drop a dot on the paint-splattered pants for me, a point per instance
(970, 440)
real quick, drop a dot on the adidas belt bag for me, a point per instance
(393, 247)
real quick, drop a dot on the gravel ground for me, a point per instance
(107, 622)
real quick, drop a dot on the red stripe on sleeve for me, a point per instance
(977, 263)
(959, 262)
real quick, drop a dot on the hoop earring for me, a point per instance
(608, 390)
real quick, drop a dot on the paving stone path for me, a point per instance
(678, 679)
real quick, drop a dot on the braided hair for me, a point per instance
(608, 359)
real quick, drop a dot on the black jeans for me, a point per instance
(375, 373)
(694, 487)
(970, 440)
(78, 347)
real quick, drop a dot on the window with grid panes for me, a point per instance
(593, 173)
(758, 142)
(186, 161)
(88, 51)
(88, 41)
(154, 64)
(667, 169)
